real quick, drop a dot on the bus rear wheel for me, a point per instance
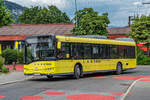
(77, 72)
(119, 69)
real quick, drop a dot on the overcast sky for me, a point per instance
(118, 10)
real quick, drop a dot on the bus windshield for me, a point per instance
(38, 49)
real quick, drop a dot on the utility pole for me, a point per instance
(76, 13)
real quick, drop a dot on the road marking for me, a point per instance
(16, 81)
(129, 89)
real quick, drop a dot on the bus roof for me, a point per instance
(85, 39)
(94, 40)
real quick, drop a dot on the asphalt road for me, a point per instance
(99, 86)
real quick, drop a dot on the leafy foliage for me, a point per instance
(141, 59)
(20, 57)
(90, 23)
(16, 56)
(2, 67)
(2, 61)
(38, 15)
(5, 70)
(10, 56)
(146, 60)
(140, 56)
(140, 29)
(6, 17)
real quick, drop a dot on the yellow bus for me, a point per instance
(50, 55)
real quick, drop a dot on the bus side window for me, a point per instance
(64, 53)
(106, 54)
(125, 52)
(113, 52)
(95, 52)
(80, 51)
(121, 51)
(73, 51)
(87, 51)
(102, 51)
(131, 52)
(77, 51)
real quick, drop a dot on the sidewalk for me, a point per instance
(11, 77)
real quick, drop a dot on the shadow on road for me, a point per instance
(69, 77)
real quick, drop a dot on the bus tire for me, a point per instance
(49, 76)
(77, 71)
(119, 69)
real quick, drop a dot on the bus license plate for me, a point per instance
(37, 74)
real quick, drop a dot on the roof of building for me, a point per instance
(119, 31)
(32, 29)
(61, 29)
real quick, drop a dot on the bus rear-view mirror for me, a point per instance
(58, 45)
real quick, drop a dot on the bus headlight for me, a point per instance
(25, 69)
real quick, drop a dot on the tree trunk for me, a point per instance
(14, 65)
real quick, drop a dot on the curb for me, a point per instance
(16, 81)
(143, 66)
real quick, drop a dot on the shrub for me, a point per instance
(21, 57)
(146, 60)
(5, 70)
(10, 56)
(140, 56)
(141, 59)
(2, 61)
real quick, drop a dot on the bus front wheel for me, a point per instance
(119, 69)
(77, 71)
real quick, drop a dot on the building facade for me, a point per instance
(13, 36)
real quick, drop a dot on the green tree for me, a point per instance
(6, 17)
(88, 22)
(140, 30)
(29, 15)
(38, 15)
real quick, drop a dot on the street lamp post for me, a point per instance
(145, 3)
(130, 20)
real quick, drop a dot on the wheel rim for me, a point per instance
(119, 69)
(78, 71)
